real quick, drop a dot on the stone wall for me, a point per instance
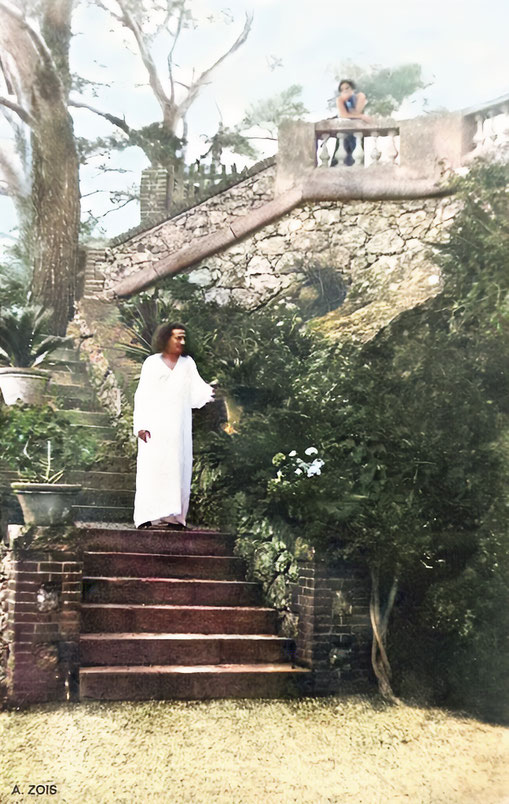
(382, 250)
(146, 247)
(42, 612)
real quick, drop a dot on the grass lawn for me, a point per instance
(352, 749)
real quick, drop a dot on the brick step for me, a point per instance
(92, 479)
(157, 565)
(149, 540)
(162, 682)
(103, 513)
(170, 590)
(122, 617)
(181, 649)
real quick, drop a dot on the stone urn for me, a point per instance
(26, 384)
(46, 503)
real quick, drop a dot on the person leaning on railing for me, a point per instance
(350, 105)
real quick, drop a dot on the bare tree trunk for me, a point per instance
(379, 624)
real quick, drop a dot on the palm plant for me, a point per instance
(24, 340)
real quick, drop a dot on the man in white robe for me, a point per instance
(170, 386)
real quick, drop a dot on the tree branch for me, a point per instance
(129, 22)
(203, 78)
(23, 113)
(172, 50)
(116, 121)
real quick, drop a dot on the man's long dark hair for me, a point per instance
(163, 333)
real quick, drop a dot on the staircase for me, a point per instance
(169, 614)
(107, 494)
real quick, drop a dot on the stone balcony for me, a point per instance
(333, 156)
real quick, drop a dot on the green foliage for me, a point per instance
(24, 341)
(26, 432)
(229, 139)
(269, 113)
(13, 287)
(160, 146)
(385, 87)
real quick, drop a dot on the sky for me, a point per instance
(460, 44)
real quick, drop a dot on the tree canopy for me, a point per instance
(385, 87)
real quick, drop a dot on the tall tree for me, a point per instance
(149, 24)
(34, 48)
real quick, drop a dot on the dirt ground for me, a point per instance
(354, 750)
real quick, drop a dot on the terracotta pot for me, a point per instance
(46, 503)
(26, 384)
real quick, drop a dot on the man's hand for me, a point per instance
(144, 435)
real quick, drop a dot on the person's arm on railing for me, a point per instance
(356, 114)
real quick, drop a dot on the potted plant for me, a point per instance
(40, 446)
(43, 499)
(24, 346)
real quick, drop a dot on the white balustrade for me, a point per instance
(491, 135)
(348, 147)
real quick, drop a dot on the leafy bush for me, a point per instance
(26, 431)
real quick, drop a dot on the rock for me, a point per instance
(258, 265)
(218, 295)
(387, 242)
(201, 277)
(272, 245)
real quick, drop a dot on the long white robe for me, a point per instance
(162, 405)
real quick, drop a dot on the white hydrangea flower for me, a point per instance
(315, 468)
(311, 451)
(292, 454)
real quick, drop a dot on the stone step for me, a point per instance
(75, 376)
(123, 498)
(75, 403)
(92, 479)
(200, 682)
(119, 463)
(183, 649)
(76, 390)
(96, 418)
(102, 513)
(157, 565)
(149, 540)
(171, 590)
(122, 617)
(99, 431)
(65, 354)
